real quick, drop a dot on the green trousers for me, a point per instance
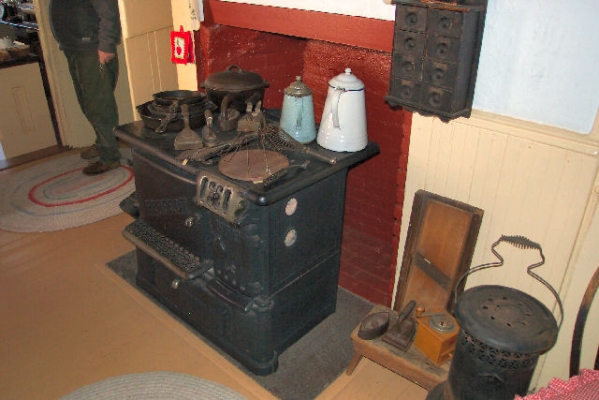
(94, 87)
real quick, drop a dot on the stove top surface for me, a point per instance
(310, 169)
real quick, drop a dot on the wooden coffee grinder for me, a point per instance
(436, 335)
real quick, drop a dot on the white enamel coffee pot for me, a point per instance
(343, 123)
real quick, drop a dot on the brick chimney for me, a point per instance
(280, 44)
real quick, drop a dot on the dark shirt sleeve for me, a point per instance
(109, 24)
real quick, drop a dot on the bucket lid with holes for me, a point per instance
(506, 319)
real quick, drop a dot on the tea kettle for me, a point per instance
(297, 115)
(343, 123)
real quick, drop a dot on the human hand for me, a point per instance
(105, 57)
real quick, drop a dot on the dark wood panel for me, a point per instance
(438, 250)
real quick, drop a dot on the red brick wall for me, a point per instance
(277, 58)
(374, 188)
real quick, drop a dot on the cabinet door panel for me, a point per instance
(146, 41)
(26, 122)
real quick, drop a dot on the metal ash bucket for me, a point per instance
(503, 331)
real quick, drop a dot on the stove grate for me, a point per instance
(175, 257)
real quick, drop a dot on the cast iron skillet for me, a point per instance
(175, 123)
(181, 96)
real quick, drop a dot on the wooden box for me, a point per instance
(436, 346)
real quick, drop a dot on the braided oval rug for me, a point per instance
(159, 385)
(56, 195)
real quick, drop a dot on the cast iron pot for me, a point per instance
(234, 87)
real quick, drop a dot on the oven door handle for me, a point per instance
(235, 299)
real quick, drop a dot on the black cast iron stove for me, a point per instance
(251, 268)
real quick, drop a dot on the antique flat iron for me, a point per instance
(187, 139)
(401, 335)
(374, 325)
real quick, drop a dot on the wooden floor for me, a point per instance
(67, 321)
(29, 157)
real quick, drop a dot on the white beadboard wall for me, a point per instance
(530, 180)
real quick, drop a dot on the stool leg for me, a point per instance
(353, 363)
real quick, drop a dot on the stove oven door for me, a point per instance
(166, 202)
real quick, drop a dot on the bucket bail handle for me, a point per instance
(525, 244)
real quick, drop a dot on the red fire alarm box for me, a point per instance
(182, 47)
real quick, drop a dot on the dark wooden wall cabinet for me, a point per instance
(435, 56)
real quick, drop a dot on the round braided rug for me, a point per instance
(56, 195)
(160, 385)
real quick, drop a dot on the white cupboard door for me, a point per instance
(26, 123)
(147, 25)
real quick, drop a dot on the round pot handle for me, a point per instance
(233, 66)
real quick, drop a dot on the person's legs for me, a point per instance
(94, 87)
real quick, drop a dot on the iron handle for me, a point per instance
(522, 243)
(192, 220)
(172, 114)
(233, 298)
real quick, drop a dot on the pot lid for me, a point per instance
(234, 79)
(298, 88)
(347, 81)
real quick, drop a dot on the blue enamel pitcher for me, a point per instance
(297, 115)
